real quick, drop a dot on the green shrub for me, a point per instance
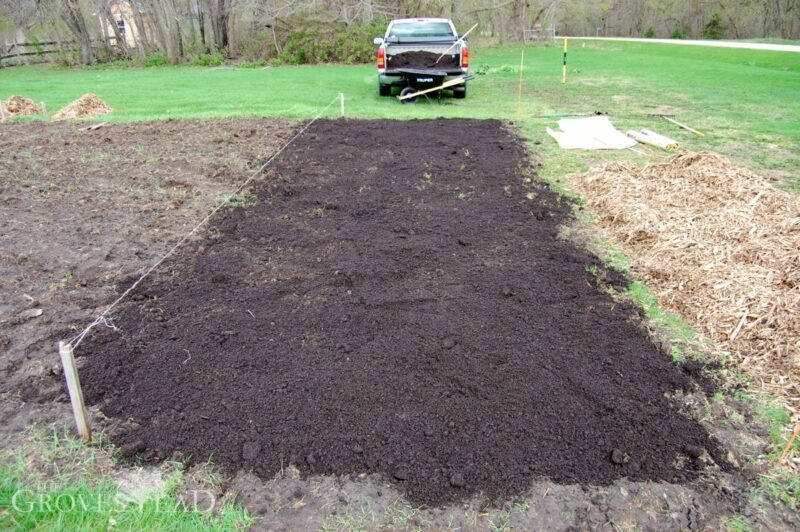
(156, 59)
(121, 63)
(194, 47)
(67, 58)
(206, 60)
(650, 33)
(258, 63)
(714, 29)
(331, 43)
(197, 54)
(260, 46)
(38, 49)
(677, 33)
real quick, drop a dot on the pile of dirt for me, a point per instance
(411, 314)
(720, 246)
(19, 106)
(422, 60)
(87, 105)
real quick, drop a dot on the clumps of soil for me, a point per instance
(166, 176)
(394, 304)
(86, 106)
(719, 245)
(422, 60)
(19, 106)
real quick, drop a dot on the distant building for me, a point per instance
(123, 15)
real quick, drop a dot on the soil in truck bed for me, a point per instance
(422, 60)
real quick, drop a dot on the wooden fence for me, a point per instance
(41, 49)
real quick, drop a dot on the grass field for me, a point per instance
(745, 100)
(79, 493)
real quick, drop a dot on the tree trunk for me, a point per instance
(520, 19)
(201, 25)
(173, 31)
(166, 17)
(77, 24)
(223, 14)
(179, 35)
(144, 33)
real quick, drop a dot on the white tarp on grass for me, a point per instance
(592, 133)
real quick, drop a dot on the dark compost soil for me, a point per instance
(395, 303)
(422, 60)
(81, 210)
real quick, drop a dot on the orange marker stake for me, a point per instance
(789, 444)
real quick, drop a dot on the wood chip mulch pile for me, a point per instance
(720, 246)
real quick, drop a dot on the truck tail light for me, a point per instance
(381, 58)
(464, 57)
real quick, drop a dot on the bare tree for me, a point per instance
(170, 25)
(216, 14)
(73, 16)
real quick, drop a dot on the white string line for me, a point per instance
(78, 338)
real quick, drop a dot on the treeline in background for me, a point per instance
(208, 32)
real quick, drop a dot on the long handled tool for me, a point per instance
(452, 83)
(684, 126)
(571, 115)
(455, 43)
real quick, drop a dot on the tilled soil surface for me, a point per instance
(80, 210)
(422, 60)
(397, 302)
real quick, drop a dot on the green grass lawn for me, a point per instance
(775, 40)
(55, 482)
(747, 101)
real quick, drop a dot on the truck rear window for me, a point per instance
(405, 30)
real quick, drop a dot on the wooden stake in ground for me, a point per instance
(75, 392)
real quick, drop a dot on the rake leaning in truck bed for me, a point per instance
(421, 53)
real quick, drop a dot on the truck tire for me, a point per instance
(460, 92)
(384, 90)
